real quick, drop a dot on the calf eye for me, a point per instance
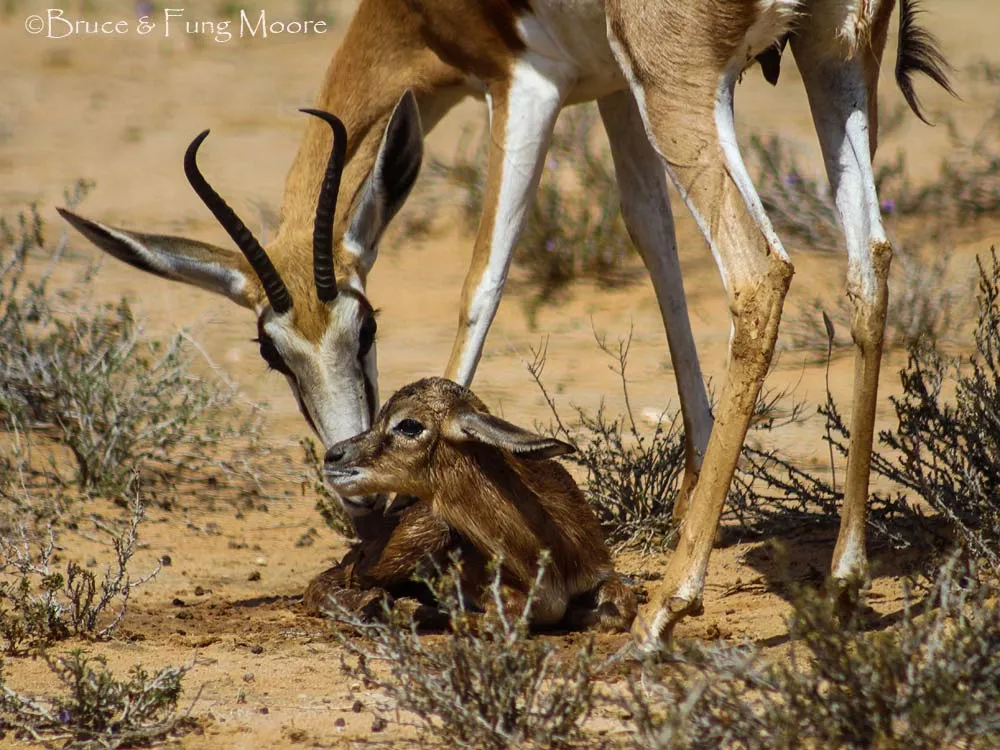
(367, 335)
(410, 428)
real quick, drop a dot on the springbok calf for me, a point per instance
(484, 487)
(663, 73)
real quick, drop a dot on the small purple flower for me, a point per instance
(551, 163)
(550, 245)
(64, 716)
(888, 205)
(791, 180)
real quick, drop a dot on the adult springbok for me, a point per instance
(663, 73)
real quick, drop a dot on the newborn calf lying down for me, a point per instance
(487, 490)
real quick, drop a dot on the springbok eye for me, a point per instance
(367, 335)
(410, 428)
(271, 355)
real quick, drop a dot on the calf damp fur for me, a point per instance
(486, 489)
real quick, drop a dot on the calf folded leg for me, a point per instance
(374, 571)
(611, 607)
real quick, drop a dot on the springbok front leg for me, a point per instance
(650, 224)
(523, 111)
(842, 96)
(682, 61)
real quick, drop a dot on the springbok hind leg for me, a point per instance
(842, 96)
(682, 72)
(650, 223)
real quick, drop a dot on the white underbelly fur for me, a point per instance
(574, 33)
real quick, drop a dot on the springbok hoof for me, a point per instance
(848, 596)
(653, 628)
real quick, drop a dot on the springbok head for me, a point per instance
(314, 325)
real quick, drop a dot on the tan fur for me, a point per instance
(485, 500)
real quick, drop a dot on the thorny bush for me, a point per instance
(97, 711)
(484, 683)
(931, 681)
(41, 602)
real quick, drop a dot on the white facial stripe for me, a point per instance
(329, 381)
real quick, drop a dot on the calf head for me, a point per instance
(407, 448)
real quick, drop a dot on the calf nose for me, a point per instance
(336, 454)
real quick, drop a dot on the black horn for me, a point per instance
(326, 208)
(274, 287)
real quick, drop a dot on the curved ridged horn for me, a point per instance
(326, 207)
(274, 287)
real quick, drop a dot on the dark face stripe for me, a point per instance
(366, 309)
(302, 404)
(369, 395)
(356, 295)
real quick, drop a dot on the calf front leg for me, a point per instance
(611, 608)
(336, 588)
(377, 570)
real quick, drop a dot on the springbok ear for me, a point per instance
(176, 258)
(476, 427)
(386, 188)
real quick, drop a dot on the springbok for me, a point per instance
(486, 488)
(663, 73)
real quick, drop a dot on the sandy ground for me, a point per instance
(121, 110)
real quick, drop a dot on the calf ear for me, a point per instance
(213, 268)
(477, 427)
(390, 181)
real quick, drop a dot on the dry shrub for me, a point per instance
(932, 681)
(484, 683)
(42, 602)
(632, 478)
(97, 710)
